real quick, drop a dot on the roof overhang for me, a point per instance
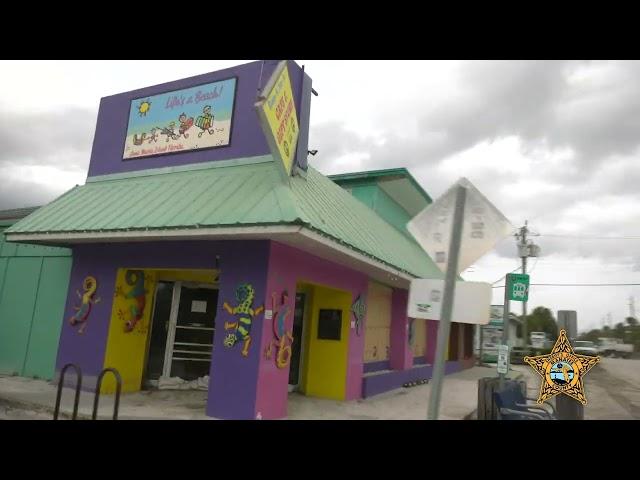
(299, 237)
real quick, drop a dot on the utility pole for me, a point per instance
(632, 307)
(523, 240)
(526, 249)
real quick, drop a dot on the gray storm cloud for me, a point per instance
(47, 138)
(591, 109)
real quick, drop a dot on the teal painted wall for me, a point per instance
(376, 199)
(33, 290)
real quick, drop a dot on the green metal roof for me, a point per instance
(245, 192)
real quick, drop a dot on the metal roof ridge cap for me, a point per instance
(258, 159)
(294, 205)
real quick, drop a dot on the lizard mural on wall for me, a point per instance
(89, 285)
(136, 280)
(240, 330)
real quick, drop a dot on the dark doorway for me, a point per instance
(159, 330)
(468, 341)
(195, 327)
(296, 347)
(454, 341)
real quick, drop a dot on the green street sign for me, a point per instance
(518, 285)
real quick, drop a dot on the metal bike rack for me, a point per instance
(96, 400)
(61, 384)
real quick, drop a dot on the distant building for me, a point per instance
(491, 334)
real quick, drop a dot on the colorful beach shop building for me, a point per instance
(203, 244)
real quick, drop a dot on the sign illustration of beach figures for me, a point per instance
(190, 119)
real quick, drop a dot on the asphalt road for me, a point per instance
(613, 390)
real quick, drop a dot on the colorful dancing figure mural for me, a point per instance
(283, 338)
(359, 309)
(241, 328)
(90, 285)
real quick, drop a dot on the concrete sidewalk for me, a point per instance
(35, 399)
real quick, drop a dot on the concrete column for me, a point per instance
(400, 353)
(234, 376)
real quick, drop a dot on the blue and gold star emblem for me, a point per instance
(562, 370)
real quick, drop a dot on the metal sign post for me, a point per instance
(447, 303)
(505, 324)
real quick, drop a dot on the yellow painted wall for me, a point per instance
(326, 365)
(419, 347)
(127, 351)
(197, 276)
(377, 333)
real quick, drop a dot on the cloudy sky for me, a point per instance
(553, 142)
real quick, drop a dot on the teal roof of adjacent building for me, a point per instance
(9, 217)
(236, 193)
(398, 183)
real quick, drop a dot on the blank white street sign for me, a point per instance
(471, 304)
(484, 226)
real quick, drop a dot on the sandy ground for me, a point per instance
(24, 398)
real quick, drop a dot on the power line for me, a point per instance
(589, 237)
(503, 277)
(577, 285)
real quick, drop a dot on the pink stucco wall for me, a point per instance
(287, 267)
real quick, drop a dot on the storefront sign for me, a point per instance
(190, 119)
(277, 113)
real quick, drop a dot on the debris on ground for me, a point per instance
(177, 383)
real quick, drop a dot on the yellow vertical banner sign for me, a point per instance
(277, 113)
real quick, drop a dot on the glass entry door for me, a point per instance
(191, 331)
(296, 347)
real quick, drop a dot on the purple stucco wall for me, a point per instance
(234, 378)
(87, 350)
(247, 137)
(287, 266)
(384, 382)
(370, 367)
